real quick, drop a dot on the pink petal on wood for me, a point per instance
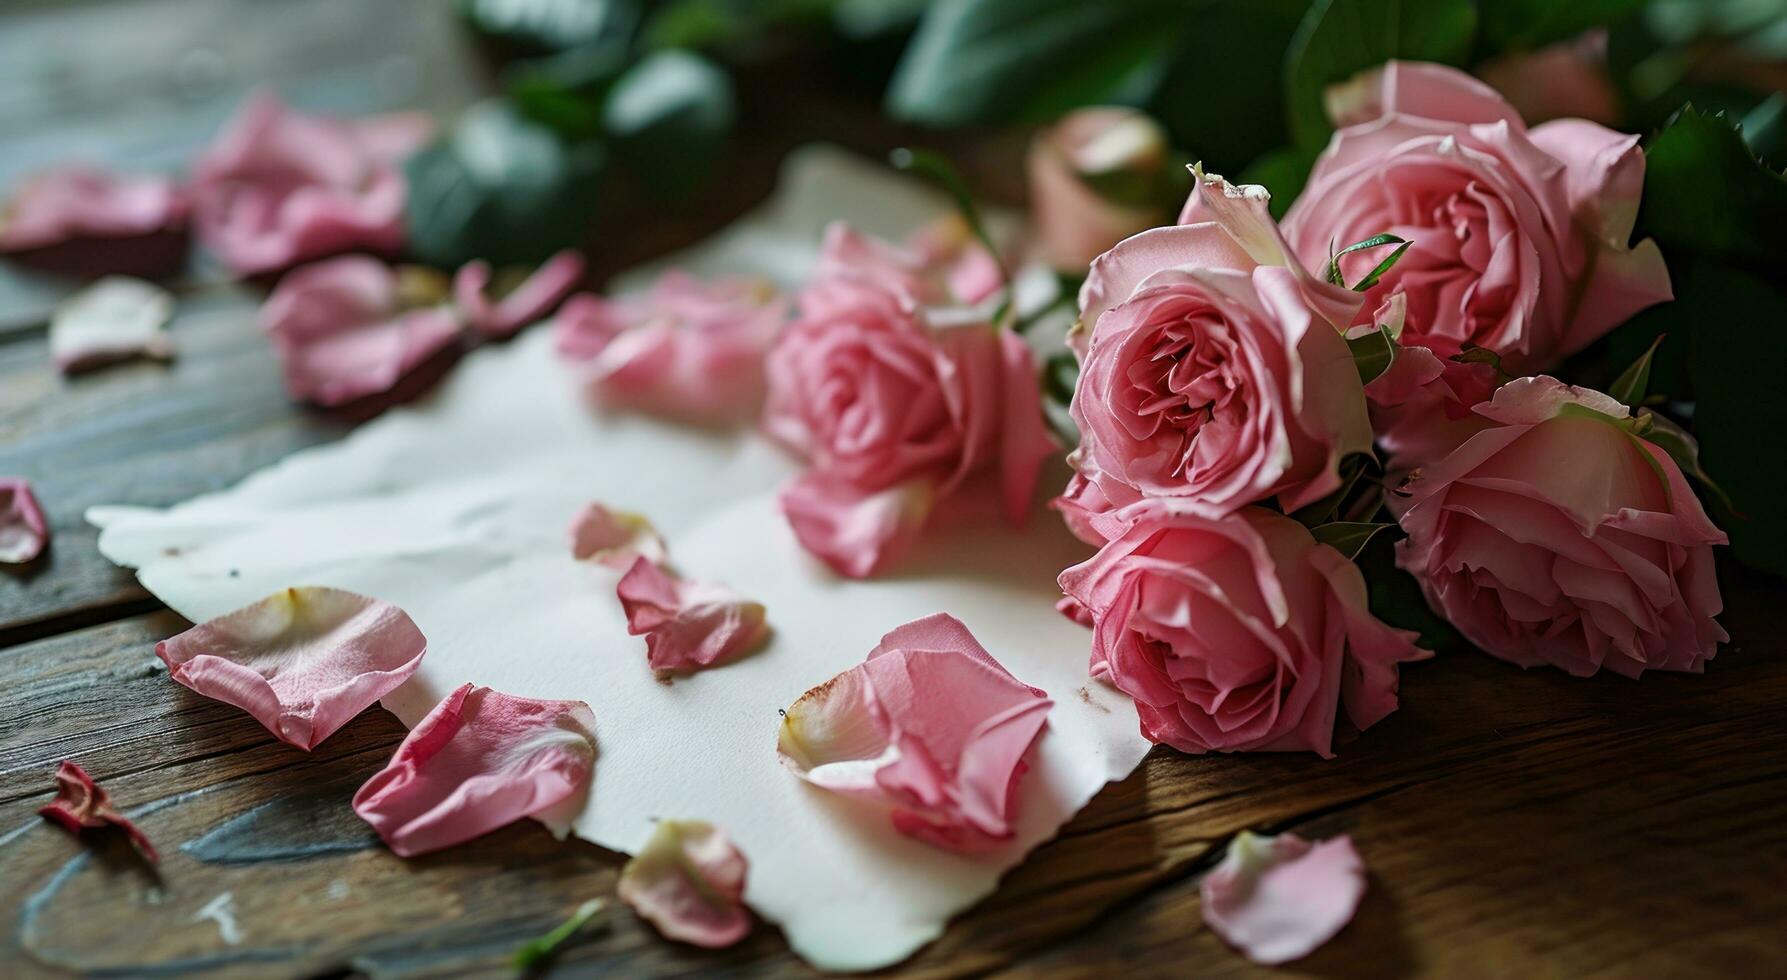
(526, 302)
(23, 530)
(929, 724)
(1277, 899)
(687, 625)
(614, 537)
(689, 882)
(480, 760)
(113, 319)
(81, 804)
(71, 203)
(303, 661)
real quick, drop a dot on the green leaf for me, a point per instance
(565, 91)
(1242, 45)
(935, 168)
(1373, 353)
(549, 25)
(976, 61)
(1634, 382)
(535, 953)
(668, 117)
(1704, 190)
(1377, 271)
(1348, 537)
(1340, 38)
(499, 187)
(1370, 280)
(1527, 24)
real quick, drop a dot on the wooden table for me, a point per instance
(1515, 824)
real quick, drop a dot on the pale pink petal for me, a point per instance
(687, 625)
(855, 533)
(1278, 899)
(614, 537)
(303, 662)
(1025, 443)
(342, 333)
(532, 299)
(73, 202)
(481, 760)
(113, 319)
(81, 804)
(1416, 88)
(689, 881)
(931, 725)
(23, 530)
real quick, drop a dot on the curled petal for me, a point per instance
(855, 533)
(480, 760)
(524, 302)
(687, 625)
(931, 725)
(81, 803)
(23, 530)
(303, 661)
(113, 319)
(73, 203)
(614, 537)
(342, 331)
(689, 881)
(1277, 899)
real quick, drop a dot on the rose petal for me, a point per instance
(530, 300)
(480, 760)
(113, 319)
(23, 530)
(303, 661)
(1277, 899)
(614, 537)
(81, 803)
(341, 332)
(689, 881)
(929, 724)
(74, 202)
(855, 533)
(687, 625)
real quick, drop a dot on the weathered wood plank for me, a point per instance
(1515, 823)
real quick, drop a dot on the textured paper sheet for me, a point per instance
(456, 509)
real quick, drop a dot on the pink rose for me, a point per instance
(1091, 179)
(279, 187)
(1520, 236)
(1214, 371)
(1236, 633)
(1557, 536)
(685, 348)
(1421, 406)
(895, 397)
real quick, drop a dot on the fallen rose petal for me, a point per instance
(1277, 899)
(480, 760)
(687, 625)
(929, 724)
(614, 537)
(524, 302)
(23, 530)
(689, 881)
(855, 533)
(351, 327)
(81, 803)
(71, 203)
(113, 319)
(303, 661)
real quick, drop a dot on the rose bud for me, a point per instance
(1557, 536)
(1097, 177)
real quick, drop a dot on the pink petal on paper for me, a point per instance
(1277, 899)
(614, 537)
(82, 804)
(114, 319)
(481, 760)
(689, 882)
(23, 530)
(303, 661)
(342, 331)
(854, 532)
(526, 302)
(687, 625)
(931, 725)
